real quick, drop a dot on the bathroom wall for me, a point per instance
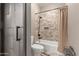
(34, 20)
(49, 20)
(73, 28)
(49, 23)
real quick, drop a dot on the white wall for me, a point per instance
(49, 6)
(73, 26)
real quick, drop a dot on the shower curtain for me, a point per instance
(63, 42)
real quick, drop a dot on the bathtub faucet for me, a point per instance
(39, 37)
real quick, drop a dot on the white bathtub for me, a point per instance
(50, 47)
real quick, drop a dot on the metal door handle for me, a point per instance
(17, 37)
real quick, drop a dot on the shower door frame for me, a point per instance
(27, 29)
(26, 5)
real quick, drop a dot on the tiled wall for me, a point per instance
(49, 25)
(50, 20)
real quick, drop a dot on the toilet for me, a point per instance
(37, 49)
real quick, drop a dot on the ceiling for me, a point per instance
(41, 5)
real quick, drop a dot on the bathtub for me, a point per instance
(50, 47)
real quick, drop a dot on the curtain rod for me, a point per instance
(51, 9)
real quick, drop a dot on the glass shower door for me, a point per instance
(14, 27)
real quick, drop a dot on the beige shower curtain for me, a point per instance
(63, 42)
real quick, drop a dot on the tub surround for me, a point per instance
(48, 23)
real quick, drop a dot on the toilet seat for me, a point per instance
(37, 47)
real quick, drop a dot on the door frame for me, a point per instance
(27, 29)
